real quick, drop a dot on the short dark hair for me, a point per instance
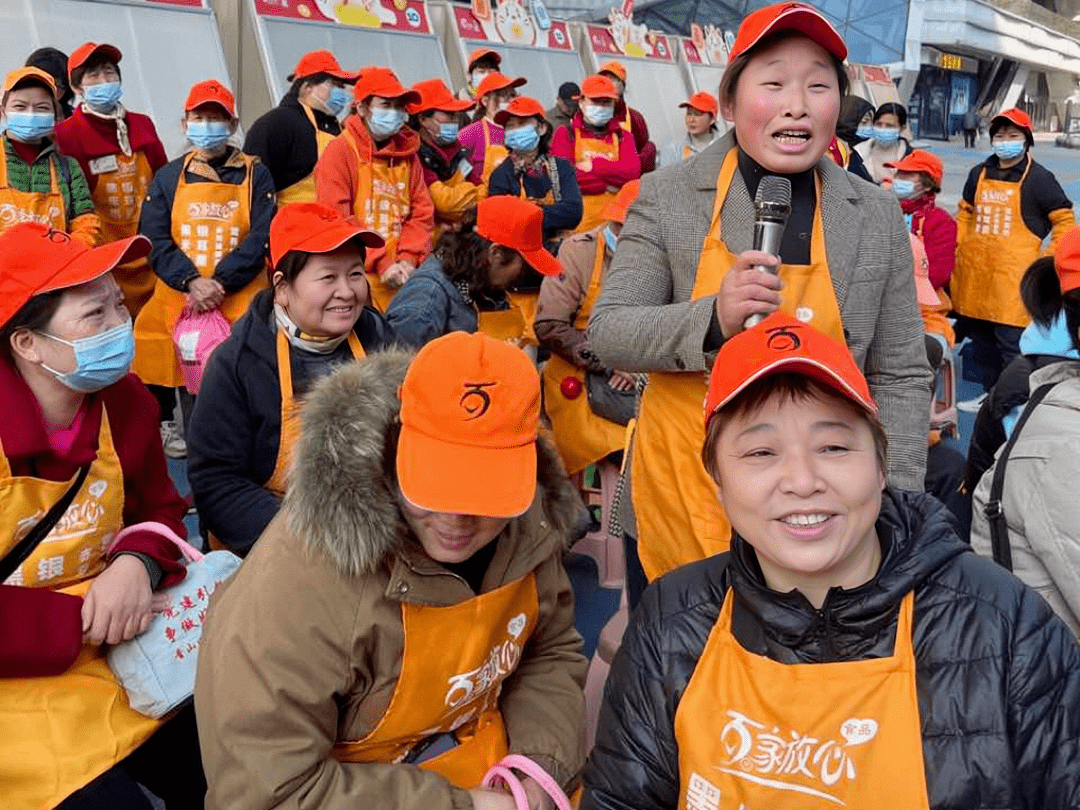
(34, 315)
(95, 61)
(892, 108)
(569, 91)
(1040, 290)
(736, 66)
(1001, 121)
(463, 254)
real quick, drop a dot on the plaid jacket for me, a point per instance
(645, 320)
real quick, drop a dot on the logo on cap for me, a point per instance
(783, 339)
(58, 236)
(475, 401)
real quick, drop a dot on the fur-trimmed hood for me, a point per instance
(342, 496)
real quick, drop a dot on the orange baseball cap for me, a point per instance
(316, 62)
(480, 53)
(522, 107)
(24, 73)
(315, 228)
(598, 86)
(382, 82)
(924, 291)
(81, 55)
(705, 102)
(211, 92)
(621, 202)
(470, 412)
(36, 259)
(1016, 116)
(1067, 260)
(782, 343)
(800, 17)
(615, 69)
(920, 161)
(435, 95)
(494, 82)
(519, 225)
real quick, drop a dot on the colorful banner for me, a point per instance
(391, 15)
(624, 38)
(512, 23)
(708, 46)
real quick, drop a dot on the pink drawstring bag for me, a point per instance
(195, 337)
(502, 774)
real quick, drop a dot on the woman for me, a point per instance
(851, 649)
(1038, 498)
(601, 150)
(482, 63)
(290, 139)
(630, 119)
(485, 139)
(887, 144)
(118, 151)
(533, 173)
(315, 318)
(701, 130)
(37, 182)
(76, 424)
(854, 126)
(684, 280)
(462, 286)
(429, 625)
(917, 183)
(1010, 205)
(372, 172)
(208, 218)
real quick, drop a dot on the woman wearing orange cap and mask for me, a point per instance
(428, 628)
(484, 137)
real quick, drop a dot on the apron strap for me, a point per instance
(284, 365)
(17, 556)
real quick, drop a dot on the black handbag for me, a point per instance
(615, 406)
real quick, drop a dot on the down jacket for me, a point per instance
(303, 647)
(997, 674)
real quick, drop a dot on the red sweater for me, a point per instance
(938, 231)
(87, 137)
(605, 174)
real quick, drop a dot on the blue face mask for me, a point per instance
(100, 360)
(384, 122)
(208, 135)
(886, 134)
(596, 115)
(903, 188)
(1009, 150)
(30, 126)
(523, 139)
(339, 97)
(865, 132)
(610, 238)
(103, 97)
(448, 132)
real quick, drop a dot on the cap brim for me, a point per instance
(502, 116)
(518, 82)
(542, 262)
(455, 106)
(344, 75)
(97, 262)
(337, 235)
(441, 476)
(811, 368)
(808, 23)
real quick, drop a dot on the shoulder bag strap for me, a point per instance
(25, 547)
(999, 527)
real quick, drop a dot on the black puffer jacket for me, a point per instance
(998, 675)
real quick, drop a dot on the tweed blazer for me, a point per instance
(645, 320)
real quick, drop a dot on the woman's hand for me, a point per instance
(746, 291)
(621, 381)
(117, 606)
(205, 293)
(484, 799)
(398, 273)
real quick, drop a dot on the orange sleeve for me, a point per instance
(336, 176)
(414, 245)
(87, 229)
(454, 197)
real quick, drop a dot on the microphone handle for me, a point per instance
(768, 234)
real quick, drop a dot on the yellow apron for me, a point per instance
(27, 206)
(679, 519)
(504, 324)
(755, 733)
(627, 123)
(382, 203)
(994, 254)
(593, 205)
(453, 687)
(304, 190)
(61, 732)
(581, 436)
(122, 182)
(209, 220)
(494, 154)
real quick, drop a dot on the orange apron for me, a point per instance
(800, 736)
(453, 687)
(992, 256)
(581, 436)
(382, 203)
(28, 206)
(209, 220)
(627, 123)
(304, 190)
(509, 325)
(61, 732)
(122, 182)
(679, 519)
(494, 155)
(593, 205)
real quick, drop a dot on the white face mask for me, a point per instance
(477, 77)
(596, 115)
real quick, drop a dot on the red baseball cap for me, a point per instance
(1016, 116)
(615, 211)
(705, 102)
(211, 92)
(1067, 260)
(598, 86)
(480, 53)
(470, 414)
(494, 82)
(800, 17)
(382, 82)
(36, 259)
(782, 343)
(615, 69)
(522, 107)
(315, 228)
(81, 55)
(920, 161)
(435, 95)
(519, 225)
(24, 73)
(316, 62)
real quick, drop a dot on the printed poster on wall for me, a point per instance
(624, 38)
(392, 15)
(512, 22)
(707, 46)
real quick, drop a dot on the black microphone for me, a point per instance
(772, 206)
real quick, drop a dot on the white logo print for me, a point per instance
(516, 625)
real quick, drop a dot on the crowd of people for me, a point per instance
(392, 328)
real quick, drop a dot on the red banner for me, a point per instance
(634, 40)
(508, 23)
(392, 15)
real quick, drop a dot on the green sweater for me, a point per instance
(36, 178)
